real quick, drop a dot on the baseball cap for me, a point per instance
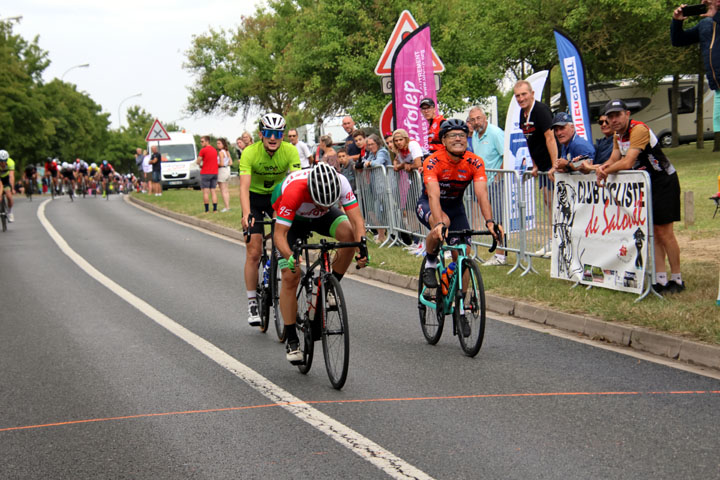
(427, 101)
(562, 118)
(388, 134)
(615, 106)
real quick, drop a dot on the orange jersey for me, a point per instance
(453, 178)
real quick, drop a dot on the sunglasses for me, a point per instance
(603, 122)
(269, 133)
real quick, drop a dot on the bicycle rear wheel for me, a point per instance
(304, 327)
(474, 306)
(431, 321)
(3, 211)
(275, 276)
(335, 333)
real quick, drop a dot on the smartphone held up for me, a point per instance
(694, 10)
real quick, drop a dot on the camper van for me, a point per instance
(653, 108)
(179, 169)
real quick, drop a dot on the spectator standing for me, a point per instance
(636, 147)
(208, 161)
(353, 151)
(488, 143)
(347, 169)
(359, 141)
(603, 146)
(428, 110)
(147, 174)
(388, 137)
(139, 155)
(306, 156)
(239, 147)
(327, 152)
(535, 123)
(377, 155)
(224, 163)
(572, 144)
(704, 33)
(247, 139)
(156, 163)
(408, 153)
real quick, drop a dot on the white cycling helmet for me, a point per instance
(65, 165)
(272, 121)
(324, 185)
(93, 165)
(4, 155)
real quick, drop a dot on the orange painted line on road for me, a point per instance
(363, 400)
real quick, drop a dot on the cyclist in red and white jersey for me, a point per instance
(305, 202)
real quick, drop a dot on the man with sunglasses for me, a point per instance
(262, 167)
(603, 146)
(306, 156)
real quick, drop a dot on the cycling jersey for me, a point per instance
(51, 166)
(651, 158)
(7, 168)
(93, 171)
(81, 166)
(292, 198)
(106, 170)
(30, 170)
(453, 178)
(434, 142)
(267, 172)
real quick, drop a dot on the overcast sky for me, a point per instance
(132, 47)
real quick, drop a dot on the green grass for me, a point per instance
(692, 314)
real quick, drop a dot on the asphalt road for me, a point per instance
(168, 381)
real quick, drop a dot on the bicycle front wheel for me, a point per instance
(304, 327)
(275, 276)
(335, 333)
(431, 320)
(3, 212)
(473, 304)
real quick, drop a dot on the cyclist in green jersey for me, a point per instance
(7, 176)
(262, 166)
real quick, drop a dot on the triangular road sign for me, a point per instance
(405, 24)
(157, 132)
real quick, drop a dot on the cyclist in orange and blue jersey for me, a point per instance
(446, 175)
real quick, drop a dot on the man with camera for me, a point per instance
(706, 34)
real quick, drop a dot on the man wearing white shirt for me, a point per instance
(302, 148)
(147, 173)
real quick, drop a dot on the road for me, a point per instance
(125, 353)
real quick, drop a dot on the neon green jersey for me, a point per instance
(10, 166)
(265, 171)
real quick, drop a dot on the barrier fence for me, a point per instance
(523, 204)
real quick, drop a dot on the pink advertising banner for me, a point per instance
(412, 79)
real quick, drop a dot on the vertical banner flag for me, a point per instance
(516, 156)
(573, 74)
(601, 234)
(412, 80)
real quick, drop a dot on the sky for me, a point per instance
(132, 47)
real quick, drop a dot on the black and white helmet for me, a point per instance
(4, 155)
(272, 121)
(324, 185)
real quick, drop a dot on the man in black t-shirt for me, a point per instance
(536, 124)
(156, 162)
(352, 150)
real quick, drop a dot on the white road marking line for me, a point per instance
(386, 461)
(519, 322)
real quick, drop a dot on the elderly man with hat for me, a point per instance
(635, 147)
(429, 111)
(572, 144)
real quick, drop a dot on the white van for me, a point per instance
(653, 108)
(179, 169)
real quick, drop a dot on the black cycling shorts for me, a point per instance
(455, 212)
(302, 227)
(260, 206)
(665, 199)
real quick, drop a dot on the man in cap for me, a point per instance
(427, 107)
(636, 147)
(572, 145)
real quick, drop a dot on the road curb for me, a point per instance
(638, 338)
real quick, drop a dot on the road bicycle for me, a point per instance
(68, 187)
(3, 209)
(322, 313)
(267, 287)
(464, 300)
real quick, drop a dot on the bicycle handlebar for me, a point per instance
(251, 217)
(326, 246)
(470, 232)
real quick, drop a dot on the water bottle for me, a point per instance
(266, 273)
(446, 276)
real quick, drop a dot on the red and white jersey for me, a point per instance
(294, 198)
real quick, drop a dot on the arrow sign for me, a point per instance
(405, 25)
(157, 132)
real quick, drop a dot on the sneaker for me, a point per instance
(674, 287)
(429, 277)
(494, 260)
(545, 251)
(330, 301)
(464, 326)
(224, 210)
(293, 353)
(10, 217)
(253, 315)
(659, 288)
